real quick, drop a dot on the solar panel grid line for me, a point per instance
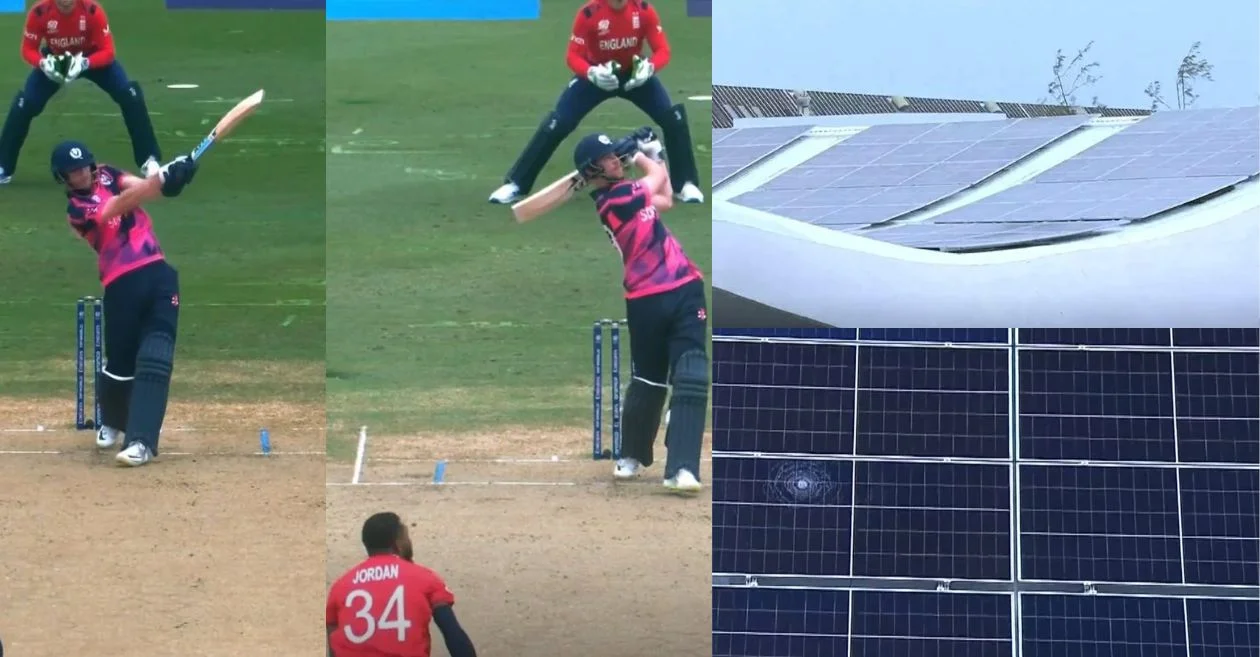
(1181, 529)
(1132, 590)
(921, 585)
(865, 458)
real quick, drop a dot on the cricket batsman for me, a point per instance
(76, 30)
(383, 606)
(605, 57)
(665, 308)
(141, 300)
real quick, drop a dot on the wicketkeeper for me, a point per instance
(604, 55)
(76, 43)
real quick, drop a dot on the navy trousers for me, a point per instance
(34, 97)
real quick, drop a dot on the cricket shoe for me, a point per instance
(627, 468)
(508, 193)
(150, 167)
(690, 194)
(683, 482)
(108, 437)
(136, 455)
(4, 177)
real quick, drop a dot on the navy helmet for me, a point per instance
(68, 156)
(590, 150)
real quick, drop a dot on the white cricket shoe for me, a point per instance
(627, 468)
(150, 167)
(4, 177)
(136, 455)
(108, 437)
(683, 482)
(508, 193)
(690, 194)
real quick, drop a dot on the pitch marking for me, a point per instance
(182, 86)
(700, 99)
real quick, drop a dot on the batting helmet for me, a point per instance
(68, 156)
(591, 149)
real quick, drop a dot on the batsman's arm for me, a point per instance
(31, 40)
(656, 179)
(98, 23)
(656, 39)
(131, 198)
(575, 56)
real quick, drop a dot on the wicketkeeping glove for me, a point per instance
(78, 66)
(642, 72)
(177, 174)
(602, 76)
(48, 65)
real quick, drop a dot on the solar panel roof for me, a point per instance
(741, 147)
(954, 492)
(868, 177)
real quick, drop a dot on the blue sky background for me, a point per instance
(998, 50)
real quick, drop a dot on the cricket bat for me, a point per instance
(229, 122)
(548, 198)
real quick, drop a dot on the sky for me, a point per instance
(1000, 50)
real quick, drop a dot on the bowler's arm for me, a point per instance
(457, 641)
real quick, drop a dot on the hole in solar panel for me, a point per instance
(799, 482)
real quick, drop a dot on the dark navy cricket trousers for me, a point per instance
(137, 303)
(580, 97)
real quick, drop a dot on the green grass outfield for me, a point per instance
(444, 314)
(247, 236)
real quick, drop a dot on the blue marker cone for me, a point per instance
(439, 472)
(264, 441)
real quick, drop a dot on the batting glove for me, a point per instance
(177, 174)
(48, 65)
(602, 76)
(643, 71)
(651, 148)
(78, 66)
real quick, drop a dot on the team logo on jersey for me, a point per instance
(106, 179)
(52, 27)
(175, 300)
(634, 20)
(701, 315)
(603, 26)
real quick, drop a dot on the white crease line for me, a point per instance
(358, 457)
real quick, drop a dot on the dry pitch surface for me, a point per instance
(593, 568)
(190, 556)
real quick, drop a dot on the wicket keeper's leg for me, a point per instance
(575, 102)
(653, 99)
(129, 96)
(27, 104)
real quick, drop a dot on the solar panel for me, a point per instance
(920, 163)
(973, 236)
(985, 492)
(1164, 161)
(744, 146)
